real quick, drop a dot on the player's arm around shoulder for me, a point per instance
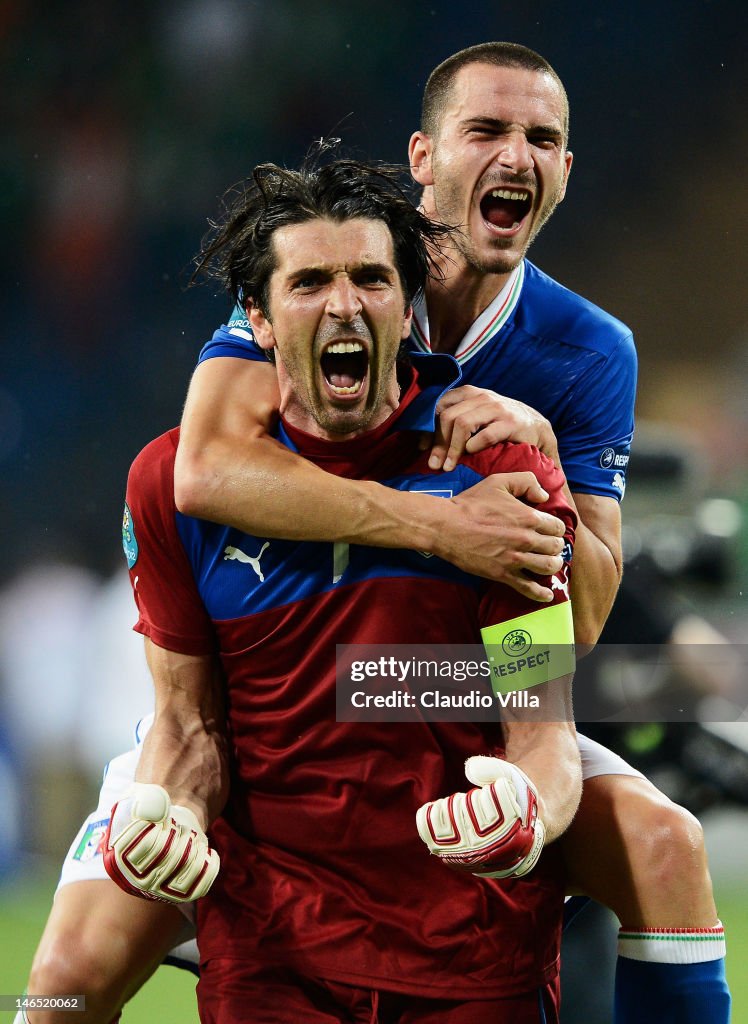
(475, 423)
(228, 415)
(230, 470)
(595, 456)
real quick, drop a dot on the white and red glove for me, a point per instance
(156, 850)
(492, 831)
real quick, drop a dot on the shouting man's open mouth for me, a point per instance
(345, 367)
(506, 208)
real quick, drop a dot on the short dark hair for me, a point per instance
(238, 250)
(502, 55)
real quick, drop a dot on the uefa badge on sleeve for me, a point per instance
(129, 543)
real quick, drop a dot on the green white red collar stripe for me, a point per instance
(485, 328)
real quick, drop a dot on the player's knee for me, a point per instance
(668, 845)
(65, 965)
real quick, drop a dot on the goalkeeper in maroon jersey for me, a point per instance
(326, 902)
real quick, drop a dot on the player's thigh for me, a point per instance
(594, 847)
(104, 940)
(632, 849)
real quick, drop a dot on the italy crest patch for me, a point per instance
(91, 844)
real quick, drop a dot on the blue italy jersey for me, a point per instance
(546, 346)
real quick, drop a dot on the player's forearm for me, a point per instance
(186, 750)
(594, 586)
(266, 490)
(230, 470)
(189, 759)
(549, 754)
(598, 566)
(556, 770)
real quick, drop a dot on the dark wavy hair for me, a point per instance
(238, 250)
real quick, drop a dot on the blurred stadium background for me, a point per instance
(121, 125)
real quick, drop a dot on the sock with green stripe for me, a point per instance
(672, 976)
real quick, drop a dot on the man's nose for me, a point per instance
(514, 152)
(344, 302)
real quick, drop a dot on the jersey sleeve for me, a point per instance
(170, 611)
(595, 443)
(528, 643)
(523, 458)
(234, 339)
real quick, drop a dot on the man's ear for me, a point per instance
(261, 327)
(407, 322)
(419, 157)
(568, 159)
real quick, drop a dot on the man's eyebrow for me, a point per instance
(313, 268)
(496, 124)
(324, 270)
(317, 271)
(373, 266)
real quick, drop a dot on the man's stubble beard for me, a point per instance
(497, 262)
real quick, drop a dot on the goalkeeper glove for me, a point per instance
(492, 831)
(156, 850)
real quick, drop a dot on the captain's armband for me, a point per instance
(531, 649)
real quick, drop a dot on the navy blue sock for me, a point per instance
(657, 993)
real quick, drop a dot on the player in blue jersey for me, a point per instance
(491, 155)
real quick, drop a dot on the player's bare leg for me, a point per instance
(635, 851)
(101, 943)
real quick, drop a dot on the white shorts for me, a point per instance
(598, 760)
(84, 860)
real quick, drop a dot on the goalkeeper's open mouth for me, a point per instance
(505, 209)
(345, 369)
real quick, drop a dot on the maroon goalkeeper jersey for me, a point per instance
(321, 864)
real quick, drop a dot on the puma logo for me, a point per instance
(561, 582)
(237, 555)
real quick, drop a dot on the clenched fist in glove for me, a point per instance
(156, 849)
(492, 831)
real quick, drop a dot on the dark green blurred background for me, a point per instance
(120, 127)
(122, 123)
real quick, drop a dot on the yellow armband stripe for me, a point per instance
(531, 649)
